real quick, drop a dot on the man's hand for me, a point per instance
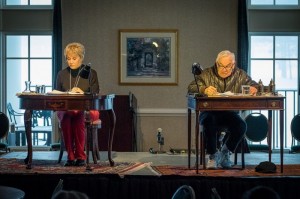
(210, 91)
(253, 90)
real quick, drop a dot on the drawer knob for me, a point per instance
(205, 104)
(55, 105)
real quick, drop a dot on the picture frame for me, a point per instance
(148, 57)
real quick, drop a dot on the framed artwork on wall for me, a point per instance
(148, 57)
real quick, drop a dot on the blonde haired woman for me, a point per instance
(72, 122)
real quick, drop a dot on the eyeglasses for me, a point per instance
(228, 67)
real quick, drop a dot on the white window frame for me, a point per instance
(273, 7)
(26, 7)
(297, 101)
(28, 58)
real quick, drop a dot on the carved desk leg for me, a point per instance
(87, 137)
(112, 124)
(189, 138)
(281, 141)
(93, 141)
(197, 137)
(27, 122)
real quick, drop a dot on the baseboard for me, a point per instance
(24, 148)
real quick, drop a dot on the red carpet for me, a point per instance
(17, 166)
(249, 171)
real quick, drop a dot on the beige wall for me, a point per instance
(204, 28)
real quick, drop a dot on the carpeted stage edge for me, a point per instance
(51, 167)
(106, 182)
(249, 171)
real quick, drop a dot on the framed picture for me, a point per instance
(148, 57)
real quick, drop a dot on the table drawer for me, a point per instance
(205, 105)
(56, 105)
(274, 104)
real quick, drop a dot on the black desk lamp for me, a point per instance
(197, 70)
(86, 74)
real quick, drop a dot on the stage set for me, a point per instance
(145, 175)
(136, 175)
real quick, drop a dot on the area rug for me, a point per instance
(249, 171)
(17, 166)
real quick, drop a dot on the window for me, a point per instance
(28, 58)
(275, 53)
(276, 56)
(275, 2)
(28, 2)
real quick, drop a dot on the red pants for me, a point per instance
(72, 125)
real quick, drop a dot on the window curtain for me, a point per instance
(57, 40)
(243, 42)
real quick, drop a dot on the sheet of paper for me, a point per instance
(75, 93)
(228, 93)
(56, 92)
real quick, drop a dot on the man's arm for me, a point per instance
(192, 88)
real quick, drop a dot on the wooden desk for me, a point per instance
(199, 104)
(31, 102)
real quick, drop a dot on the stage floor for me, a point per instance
(253, 158)
(150, 176)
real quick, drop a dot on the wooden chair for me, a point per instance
(93, 141)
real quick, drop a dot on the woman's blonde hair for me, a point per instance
(76, 48)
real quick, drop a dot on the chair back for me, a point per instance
(184, 192)
(58, 187)
(257, 127)
(4, 127)
(11, 113)
(295, 127)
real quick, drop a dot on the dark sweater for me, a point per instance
(210, 77)
(63, 80)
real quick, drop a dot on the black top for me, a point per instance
(210, 77)
(67, 78)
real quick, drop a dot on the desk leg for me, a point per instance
(269, 138)
(112, 124)
(189, 138)
(197, 137)
(281, 141)
(27, 122)
(87, 138)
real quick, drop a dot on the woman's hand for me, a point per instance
(77, 90)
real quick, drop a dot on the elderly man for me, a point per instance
(224, 76)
